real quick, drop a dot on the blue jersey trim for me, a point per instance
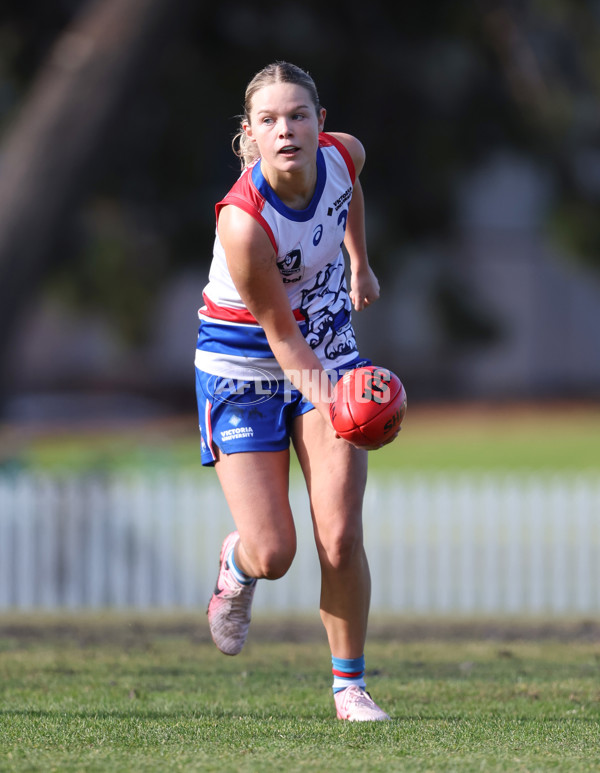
(240, 341)
(298, 215)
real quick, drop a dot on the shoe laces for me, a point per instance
(231, 588)
(240, 599)
(356, 696)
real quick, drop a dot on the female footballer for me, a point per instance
(275, 334)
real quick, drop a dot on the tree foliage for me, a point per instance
(431, 89)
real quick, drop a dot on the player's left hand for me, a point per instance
(364, 288)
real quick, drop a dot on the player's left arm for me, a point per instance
(364, 287)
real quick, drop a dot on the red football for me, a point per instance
(368, 406)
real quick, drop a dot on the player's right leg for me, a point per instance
(255, 485)
(244, 432)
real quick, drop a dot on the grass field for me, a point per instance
(475, 437)
(88, 693)
(98, 694)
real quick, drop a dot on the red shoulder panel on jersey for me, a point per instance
(327, 140)
(245, 196)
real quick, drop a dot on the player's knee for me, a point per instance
(342, 548)
(272, 562)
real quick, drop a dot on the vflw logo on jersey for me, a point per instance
(291, 266)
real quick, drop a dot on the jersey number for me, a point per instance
(343, 219)
(318, 232)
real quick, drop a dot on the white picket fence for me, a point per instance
(496, 544)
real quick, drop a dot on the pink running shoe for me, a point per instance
(229, 608)
(356, 705)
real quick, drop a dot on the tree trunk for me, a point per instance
(48, 155)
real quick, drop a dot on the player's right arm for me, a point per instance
(252, 265)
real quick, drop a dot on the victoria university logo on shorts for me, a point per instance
(236, 432)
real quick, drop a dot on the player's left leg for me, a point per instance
(336, 475)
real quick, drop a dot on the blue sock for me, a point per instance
(242, 578)
(347, 671)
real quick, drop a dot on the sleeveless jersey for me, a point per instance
(307, 244)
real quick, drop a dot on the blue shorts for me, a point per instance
(237, 416)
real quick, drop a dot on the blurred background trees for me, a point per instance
(452, 100)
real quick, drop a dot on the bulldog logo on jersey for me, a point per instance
(327, 308)
(291, 266)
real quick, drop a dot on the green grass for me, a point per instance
(552, 438)
(509, 438)
(128, 699)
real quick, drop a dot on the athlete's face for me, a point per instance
(285, 125)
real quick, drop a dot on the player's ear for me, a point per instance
(247, 128)
(321, 117)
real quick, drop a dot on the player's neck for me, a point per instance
(295, 189)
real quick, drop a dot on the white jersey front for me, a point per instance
(309, 256)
